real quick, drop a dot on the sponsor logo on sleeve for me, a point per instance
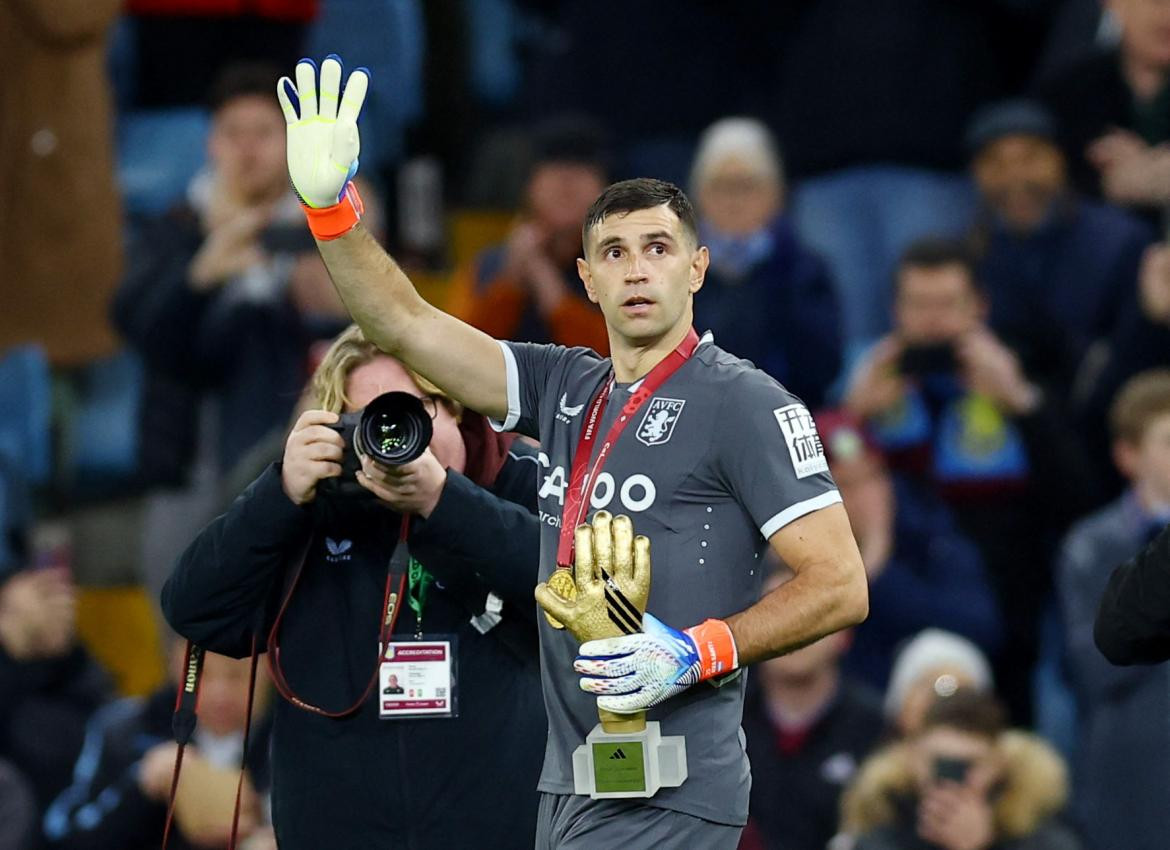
(659, 420)
(804, 443)
(565, 413)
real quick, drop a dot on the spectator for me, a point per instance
(122, 781)
(225, 300)
(528, 289)
(951, 406)
(923, 573)
(1059, 270)
(933, 664)
(766, 296)
(808, 727)
(346, 777)
(225, 293)
(57, 179)
(962, 782)
(1123, 744)
(49, 686)
(1112, 111)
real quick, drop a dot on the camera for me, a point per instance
(393, 429)
(919, 361)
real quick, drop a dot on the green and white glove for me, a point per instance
(323, 141)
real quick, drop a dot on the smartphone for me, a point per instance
(288, 239)
(951, 769)
(919, 360)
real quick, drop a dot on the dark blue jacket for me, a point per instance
(782, 315)
(934, 579)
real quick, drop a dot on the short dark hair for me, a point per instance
(933, 252)
(967, 710)
(571, 138)
(641, 193)
(243, 79)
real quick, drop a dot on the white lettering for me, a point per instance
(648, 493)
(601, 497)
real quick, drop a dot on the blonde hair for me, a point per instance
(349, 351)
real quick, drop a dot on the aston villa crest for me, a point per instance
(659, 420)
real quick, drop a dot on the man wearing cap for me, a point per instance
(1060, 271)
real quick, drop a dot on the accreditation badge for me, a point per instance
(417, 678)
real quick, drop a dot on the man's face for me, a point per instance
(642, 268)
(385, 374)
(1020, 177)
(936, 305)
(1145, 30)
(559, 196)
(737, 199)
(944, 742)
(247, 148)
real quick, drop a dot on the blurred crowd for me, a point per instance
(942, 224)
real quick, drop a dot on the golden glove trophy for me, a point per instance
(604, 596)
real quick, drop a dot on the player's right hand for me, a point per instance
(323, 141)
(312, 452)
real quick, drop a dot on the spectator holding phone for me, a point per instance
(962, 782)
(951, 406)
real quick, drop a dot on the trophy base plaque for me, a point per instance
(634, 763)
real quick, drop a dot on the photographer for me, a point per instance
(949, 404)
(301, 561)
(962, 782)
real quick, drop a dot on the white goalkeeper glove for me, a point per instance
(638, 671)
(323, 141)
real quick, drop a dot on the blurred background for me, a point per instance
(940, 222)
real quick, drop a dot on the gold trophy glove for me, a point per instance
(323, 141)
(610, 582)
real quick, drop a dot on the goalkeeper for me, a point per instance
(714, 461)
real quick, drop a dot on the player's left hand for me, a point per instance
(635, 672)
(323, 141)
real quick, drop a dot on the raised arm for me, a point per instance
(323, 146)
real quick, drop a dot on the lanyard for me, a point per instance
(396, 576)
(581, 480)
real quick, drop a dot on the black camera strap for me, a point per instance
(183, 726)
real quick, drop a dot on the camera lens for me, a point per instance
(395, 429)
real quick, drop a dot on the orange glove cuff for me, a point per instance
(716, 645)
(332, 222)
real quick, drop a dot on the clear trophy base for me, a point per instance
(634, 763)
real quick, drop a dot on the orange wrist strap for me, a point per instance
(331, 222)
(717, 653)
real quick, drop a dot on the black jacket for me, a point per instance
(1133, 622)
(361, 782)
(104, 807)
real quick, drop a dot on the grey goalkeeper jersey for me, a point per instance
(713, 464)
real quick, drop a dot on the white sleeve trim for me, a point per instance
(513, 391)
(795, 512)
